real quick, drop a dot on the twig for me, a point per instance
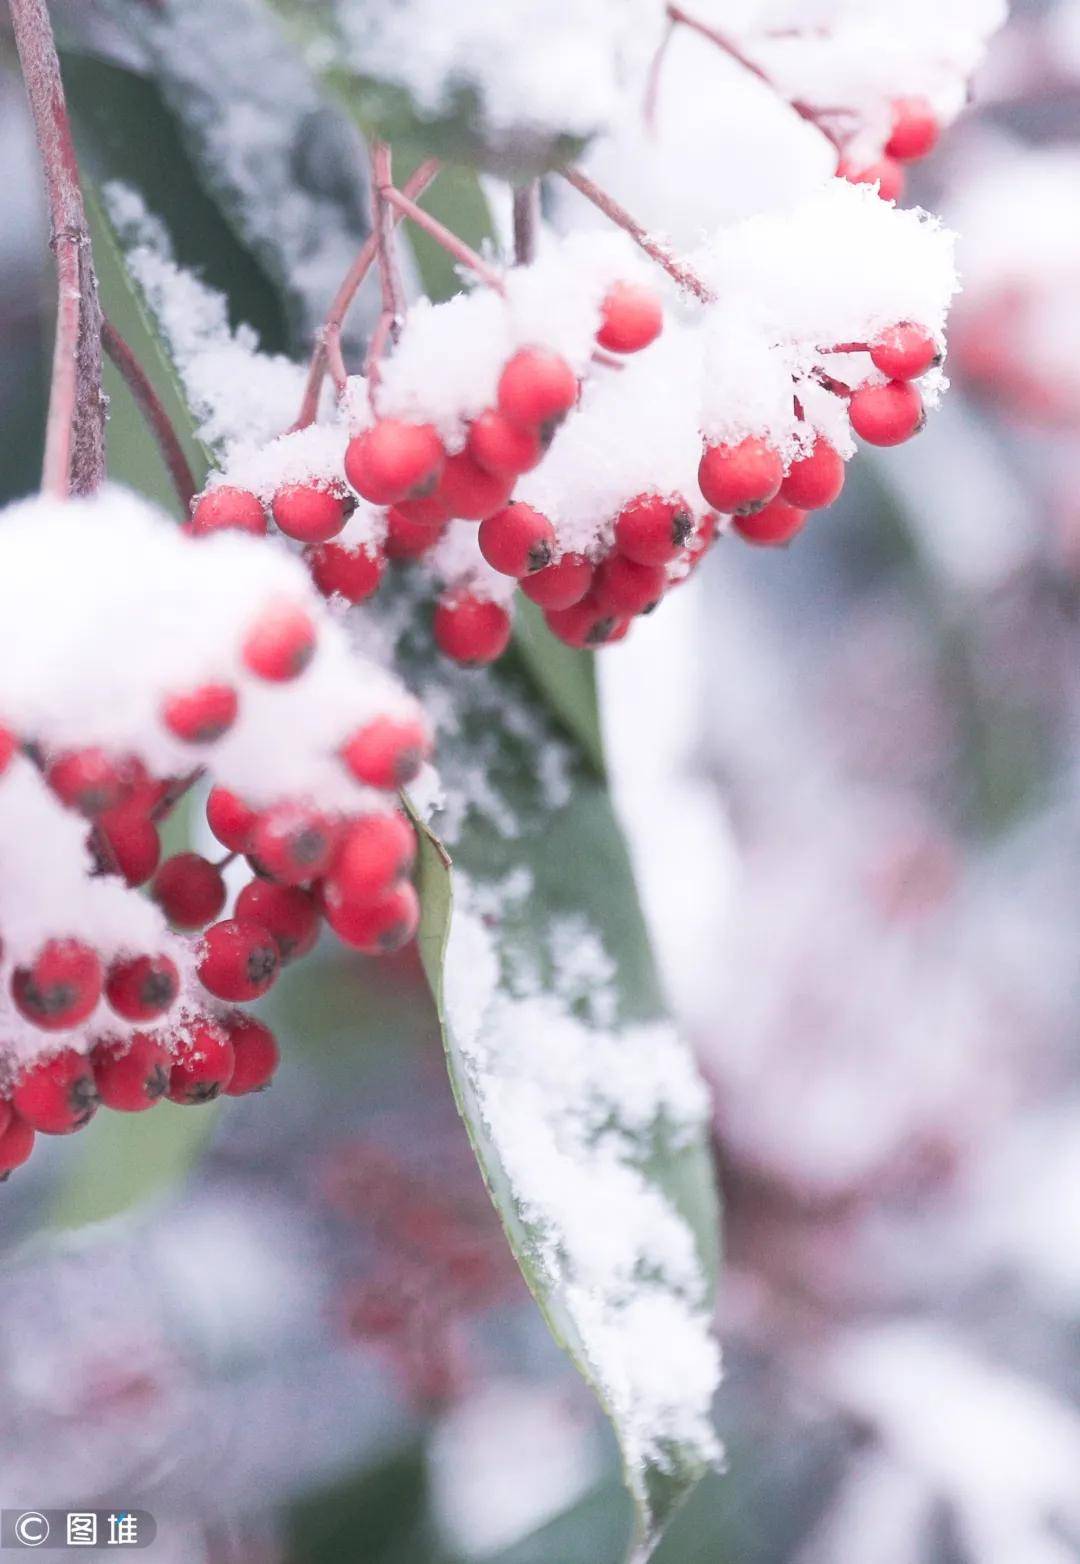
(327, 351)
(652, 83)
(449, 241)
(676, 269)
(74, 459)
(150, 405)
(526, 221)
(388, 325)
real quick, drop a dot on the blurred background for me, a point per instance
(292, 1330)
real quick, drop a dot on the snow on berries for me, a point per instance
(146, 660)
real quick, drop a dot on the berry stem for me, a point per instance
(449, 241)
(652, 83)
(526, 222)
(74, 458)
(327, 350)
(174, 793)
(676, 269)
(152, 409)
(393, 291)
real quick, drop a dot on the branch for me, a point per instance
(138, 383)
(75, 429)
(526, 222)
(327, 349)
(443, 236)
(676, 269)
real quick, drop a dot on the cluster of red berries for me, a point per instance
(174, 1033)
(913, 135)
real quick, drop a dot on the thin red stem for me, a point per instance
(75, 427)
(449, 241)
(174, 793)
(327, 351)
(152, 409)
(676, 269)
(652, 84)
(388, 326)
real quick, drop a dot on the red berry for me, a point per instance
(5, 1116)
(255, 1053)
(376, 851)
(537, 389)
(92, 781)
(309, 514)
(631, 317)
(227, 509)
(471, 630)
(237, 960)
(888, 414)
(199, 716)
(517, 540)
(231, 820)
(288, 914)
(131, 1073)
(740, 479)
(16, 1144)
(624, 587)
(651, 530)
(280, 643)
(190, 890)
(776, 524)
(408, 539)
(502, 447)
(142, 988)
(203, 1062)
(379, 927)
(387, 752)
(394, 461)
(425, 511)
(132, 840)
(585, 624)
(905, 352)
(57, 1095)
(815, 480)
(8, 745)
(560, 585)
(915, 130)
(886, 174)
(353, 573)
(469, 490)
(60, 987)
(294, 842)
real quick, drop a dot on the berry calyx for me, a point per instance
(189, 890)
(202, 715)
(376, 851)
(377, 928)
(517, 540)
(651, 530)
(537, 389)
(469, 490)
(351, 573)
(60, 987)
(394, 461)
(915, 130)
(227, 509)
(90, 780)
(888, 414)
(503, 447)
(288, 914)
(294, 842)
(132, 840)
(624, 587)
(886, 173)
(408, 539)
(255, 1054)
(905, 352)
(387, 752)
(631, 317)
(561, 584)
(57, 1095)
(231, 820)
(280, 644)
(740, 479)
(237, 960)
(131, 1074)
(16, 1144)
(142, 988)
(815, 480)
(773, 526)
(203, 1063)
(470, 629)
(309, 514)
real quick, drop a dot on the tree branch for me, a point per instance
(526, 221)
(149, 403)
(75, 428)
(676, 269)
